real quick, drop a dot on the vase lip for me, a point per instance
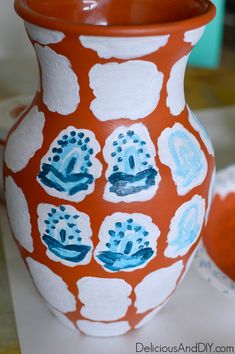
(53, 23)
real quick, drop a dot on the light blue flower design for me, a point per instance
(185, 227)
(180, 150)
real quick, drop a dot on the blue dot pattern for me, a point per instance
(63, 235)
(68, 168)
(132, 167)
(128, 246)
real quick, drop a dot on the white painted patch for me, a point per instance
(104, 299)
(64, 320)
(99, 329)
(156, 287)
(124, 47)
(117, 233)
(175, 87)
(211, 195)
(72, 147)
(125, 143)
(198, 126)
(194, 36)
(59, 82)
(51, 287)
(185, 227)
(149, 317)
(43, 35)
(18, 213)
(225, 182)
(76, 229)
(129, 90)
(182, 153)
(25, 140)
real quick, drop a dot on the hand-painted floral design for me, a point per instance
(132, 173)
(127, 242)
(66, 233)
(181, 151)
(185, 227)
(70, 167)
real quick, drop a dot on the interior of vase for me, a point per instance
(119, 12)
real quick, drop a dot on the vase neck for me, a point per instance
(75, 66)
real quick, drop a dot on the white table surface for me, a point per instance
(196, 313)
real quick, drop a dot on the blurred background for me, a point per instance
(210, 89)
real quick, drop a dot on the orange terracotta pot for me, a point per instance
(219, 236)
(108, 173)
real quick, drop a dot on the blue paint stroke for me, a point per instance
(188, 229)
(187, 157)
(63, 237)
(67, 168)
(132, 172)
(128, 247)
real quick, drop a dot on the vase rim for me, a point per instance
(53, 23)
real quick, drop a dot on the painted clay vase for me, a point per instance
(219, 236)
(107, 174)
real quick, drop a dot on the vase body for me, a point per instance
(107, 176)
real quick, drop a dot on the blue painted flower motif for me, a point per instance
(180, 150)
(70, 168)
(132, 173)
(66, 233)
(127, 242)
(185, 227)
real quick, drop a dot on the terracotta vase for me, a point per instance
(219, 236)
(107, 174)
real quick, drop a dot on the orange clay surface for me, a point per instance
(219, 238)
